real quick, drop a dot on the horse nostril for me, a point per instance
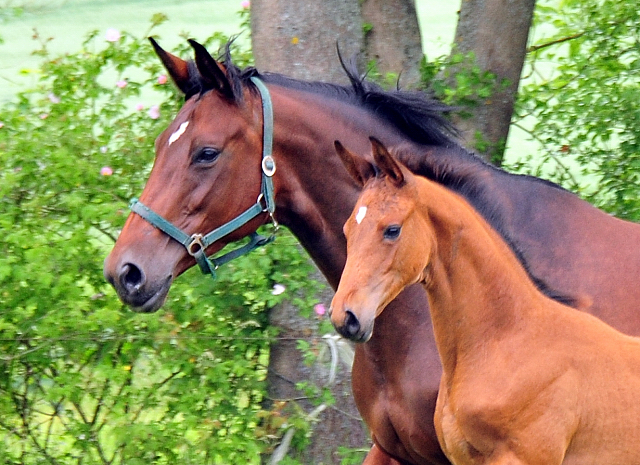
(131, 277)
(351, 323)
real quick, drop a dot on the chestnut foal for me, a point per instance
(526, 379)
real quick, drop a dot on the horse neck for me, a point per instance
(477, 288)
(315, 194)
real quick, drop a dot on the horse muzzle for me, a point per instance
(349, 326)
(135, 290)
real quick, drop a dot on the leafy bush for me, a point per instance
(83, 379)
(586, 112)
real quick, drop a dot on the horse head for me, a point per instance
(190, 191)
(384, 252)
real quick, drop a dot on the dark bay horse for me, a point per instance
(526, 380)
(209, 171)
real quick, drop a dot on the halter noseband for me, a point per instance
(196, 244)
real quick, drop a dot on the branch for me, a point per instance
(25, 420)
(535, 48)
(565, 168)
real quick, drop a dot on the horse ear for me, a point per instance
(359, 168)
(387, 165)
(211, 71)
(177, 68)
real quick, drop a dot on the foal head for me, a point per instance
(386, 245)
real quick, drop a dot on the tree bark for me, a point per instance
(497, 32)
(299, 39)
(336, 426)
(393, 38)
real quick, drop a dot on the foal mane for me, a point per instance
(418, 117)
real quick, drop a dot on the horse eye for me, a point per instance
(206, 155)
(392, 232)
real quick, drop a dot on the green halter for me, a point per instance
(196, 244)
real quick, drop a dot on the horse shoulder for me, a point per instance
(529, 412)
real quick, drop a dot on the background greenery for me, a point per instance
(84, 380)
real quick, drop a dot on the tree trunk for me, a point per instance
(393, 38)
(497, 32)
(299, 39)
(338, 425)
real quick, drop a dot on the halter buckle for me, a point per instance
(196, 241)
(268, 165)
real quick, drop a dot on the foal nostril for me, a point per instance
(131, 277)
(351, 323)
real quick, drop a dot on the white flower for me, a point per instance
(278, 289)
(154, 112)
(112, 35)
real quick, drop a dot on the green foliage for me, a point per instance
(352, 456)
(586, 109)
(457, 80)
(82, 379)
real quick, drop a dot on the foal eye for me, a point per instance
(206, 155)
(392, 232)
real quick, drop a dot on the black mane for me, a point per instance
(421, 119)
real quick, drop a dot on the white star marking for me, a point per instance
(362, 211)
(176, 135)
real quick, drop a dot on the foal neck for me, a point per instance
(477, 288)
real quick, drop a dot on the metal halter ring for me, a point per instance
(196, 240)
(268, 166)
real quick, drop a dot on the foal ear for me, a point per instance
(211, 71)
(387, 165)
(177, 68)
(359, 168)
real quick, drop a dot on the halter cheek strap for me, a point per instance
(196, 244)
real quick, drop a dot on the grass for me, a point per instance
(67, 23)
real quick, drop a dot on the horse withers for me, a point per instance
(526, 379)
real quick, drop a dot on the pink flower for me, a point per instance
(245, 4)
(112, 35)
(139, 107)
(106, 171)
(1, 124)
(154, 112)
(319, 309)
(44, 115)
(121, 84)
(162, 79)
(53, 98)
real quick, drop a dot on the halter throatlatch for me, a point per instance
(196, 244)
